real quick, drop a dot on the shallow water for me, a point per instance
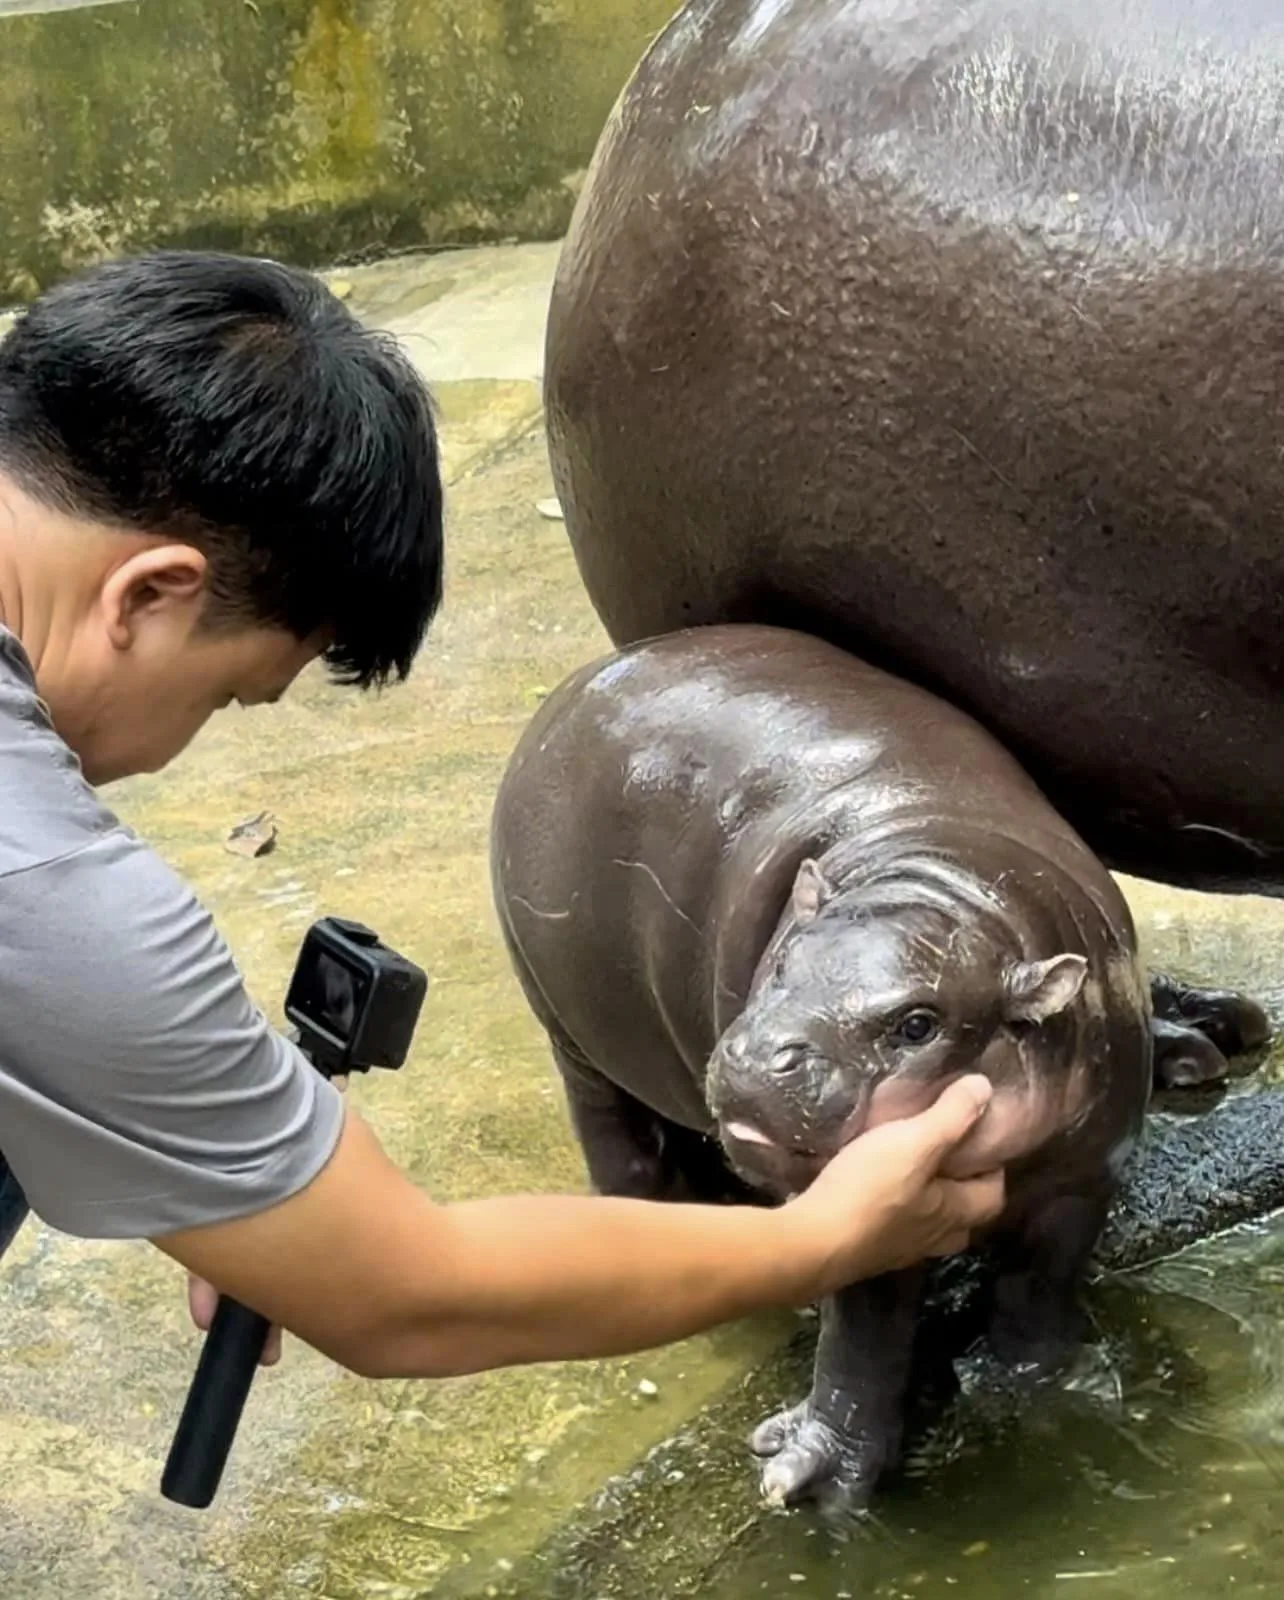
(1160, 1470)
(1173, 1488)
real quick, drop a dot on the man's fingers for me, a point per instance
(949, 1120)
(202, 1298)
(954, 1245)
(975, 1202)
(272, 1349)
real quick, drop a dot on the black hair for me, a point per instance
(240, 406)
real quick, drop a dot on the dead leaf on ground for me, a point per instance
(256, 836)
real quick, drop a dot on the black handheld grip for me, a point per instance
(207, 1428)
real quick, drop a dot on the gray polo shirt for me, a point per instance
(141, 1091)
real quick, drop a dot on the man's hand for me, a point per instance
(883, 1202)
(202, 1298)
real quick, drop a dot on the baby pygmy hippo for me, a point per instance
(763, 897)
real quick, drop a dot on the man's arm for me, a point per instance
(142, 1094)
(367, 1269)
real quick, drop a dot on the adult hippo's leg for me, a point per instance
(631, 1151)
(835, 1446)
(1184, 1057)
(1197, 1033)
(1233, 1022)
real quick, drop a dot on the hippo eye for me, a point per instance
(916, 1027)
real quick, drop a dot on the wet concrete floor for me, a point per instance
(341, 1488)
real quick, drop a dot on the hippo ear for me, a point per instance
(1037, 990)
(811, 890)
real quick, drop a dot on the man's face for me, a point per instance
(141, 674)
(151, 709)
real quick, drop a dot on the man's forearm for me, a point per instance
(549, 1278)
(369, 1270)
(366, 1268)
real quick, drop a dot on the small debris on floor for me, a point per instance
(550, 509)
(256, 836)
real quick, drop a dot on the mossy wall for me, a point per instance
(309, 129)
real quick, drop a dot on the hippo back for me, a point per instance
(653, 817)
(954, 333)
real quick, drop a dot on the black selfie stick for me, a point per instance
(220, 1387)
(355, 1004)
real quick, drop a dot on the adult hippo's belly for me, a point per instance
(953, 333)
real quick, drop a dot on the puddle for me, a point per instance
(1165, 1481)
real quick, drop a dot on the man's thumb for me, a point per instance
(956, 1112)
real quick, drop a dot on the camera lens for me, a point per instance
(337, 999)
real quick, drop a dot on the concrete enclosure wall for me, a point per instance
(307, 129)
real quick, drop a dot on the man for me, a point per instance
(210, 475)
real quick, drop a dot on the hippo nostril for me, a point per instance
(788, 1058)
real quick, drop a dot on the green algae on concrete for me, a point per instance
(308, 129)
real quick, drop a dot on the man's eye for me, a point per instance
(916, 1027)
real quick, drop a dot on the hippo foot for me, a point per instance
(1230, 1021)
(809, 1459)
(1185, 1058)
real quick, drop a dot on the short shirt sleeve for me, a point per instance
(141, 1090)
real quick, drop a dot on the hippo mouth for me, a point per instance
(785, 1170)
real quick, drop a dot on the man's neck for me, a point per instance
(42, 585)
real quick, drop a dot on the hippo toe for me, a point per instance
(807, 1458)
(1186, 1058)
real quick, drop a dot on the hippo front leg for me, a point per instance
(834, 1447)
(1198, 1032)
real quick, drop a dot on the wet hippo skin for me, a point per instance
(953, 331)
(762, 896)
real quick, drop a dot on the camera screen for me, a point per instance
(332, 995)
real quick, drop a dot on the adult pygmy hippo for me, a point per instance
(756, 890)
(950, 330)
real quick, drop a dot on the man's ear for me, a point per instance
(1037, 990)
(156, 579)
(811, 890)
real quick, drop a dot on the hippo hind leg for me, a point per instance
(1198, 1032)
(1036, 1318)
(834, 1447)
(631, 1151)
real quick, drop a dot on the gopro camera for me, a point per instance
(354, 1002)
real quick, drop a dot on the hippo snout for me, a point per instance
(782, 1111)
